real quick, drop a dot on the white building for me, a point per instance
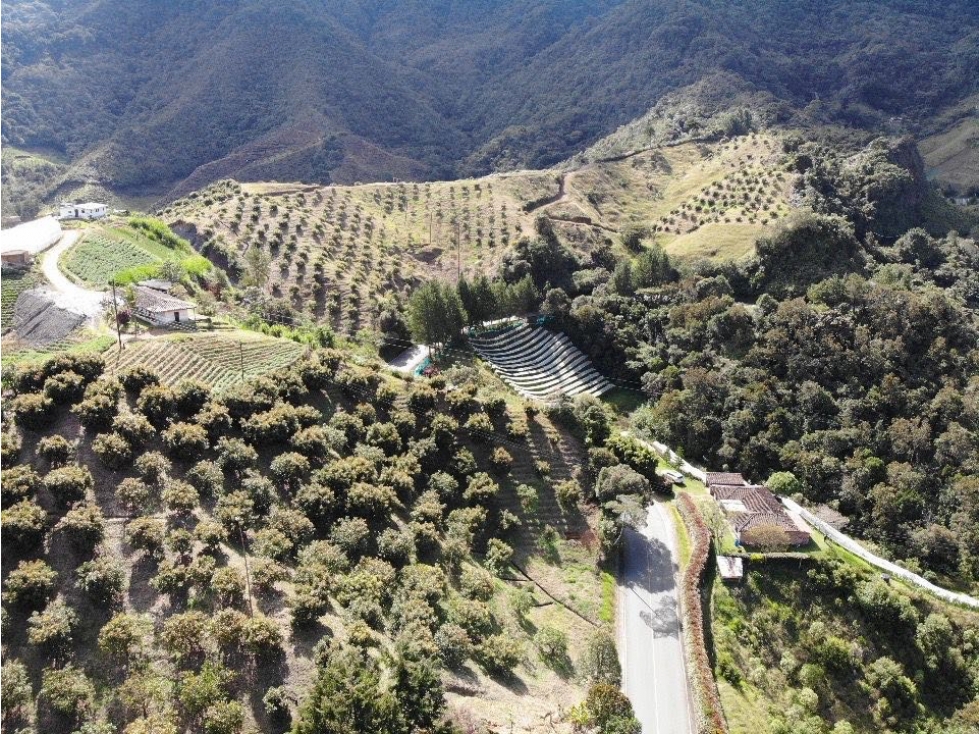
(91, 210)
(21, 243)
(161, 308)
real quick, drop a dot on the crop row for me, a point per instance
(214, 360)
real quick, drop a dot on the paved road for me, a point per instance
(62, 291)
(650, 642)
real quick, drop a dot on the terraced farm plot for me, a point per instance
(11, 286)
(98, 257)
(216, 360)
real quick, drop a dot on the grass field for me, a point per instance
(11, 286)
(337, 251)
(216, 359)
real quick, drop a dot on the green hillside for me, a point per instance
(357, 91)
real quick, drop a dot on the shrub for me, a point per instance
(146, 534)
(158, 403)
(529, 500)
(454, 645)
(185, 441)
(190, 397)
(33, 411)
(499, 654)
(97, 412)
(206, 478)
(184, 635)
(19, 483)
(65, 388)
(134, 494)
(498, 555)
(479, 426)
(262, 637)
(211, 534)
(568, 494)
(134, 379)
(102, 579)
(67, 692)
(23, 524)
(69, 484)
(52, 628)
(351, 535)
(601, 662)
(83, 525)
(501, 461)
(124, 634)
(288, 469)
(180, 497)
(134, 428)
(693, 578)
(552, 644)
(475, 583)
(113, 450)
(153, 467)
(56, 450)
(30, 585)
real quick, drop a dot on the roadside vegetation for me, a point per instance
(876, 658)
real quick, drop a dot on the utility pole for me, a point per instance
(115, 313)
(458, 253)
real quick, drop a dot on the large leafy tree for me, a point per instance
(435, 314)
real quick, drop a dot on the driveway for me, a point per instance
(62, 291)
(650, 639)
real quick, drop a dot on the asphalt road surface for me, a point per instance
(650, 642)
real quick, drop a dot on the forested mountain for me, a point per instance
(150, 98)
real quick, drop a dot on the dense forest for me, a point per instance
(836, 353)
(140, 97)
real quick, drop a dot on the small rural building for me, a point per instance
(727, 479)
(752, 507)
(163, 286)
(19, 245)
(731, 568)
(16, 258)
(161, 308)
(89, 210)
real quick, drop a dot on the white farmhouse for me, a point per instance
(90, 210)
(161, 308)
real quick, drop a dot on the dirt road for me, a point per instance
(60, 289)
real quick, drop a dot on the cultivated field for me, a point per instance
(125, 253)
(215, 359)
(337, 251)
(13, 284)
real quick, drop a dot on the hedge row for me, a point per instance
(705, 689)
